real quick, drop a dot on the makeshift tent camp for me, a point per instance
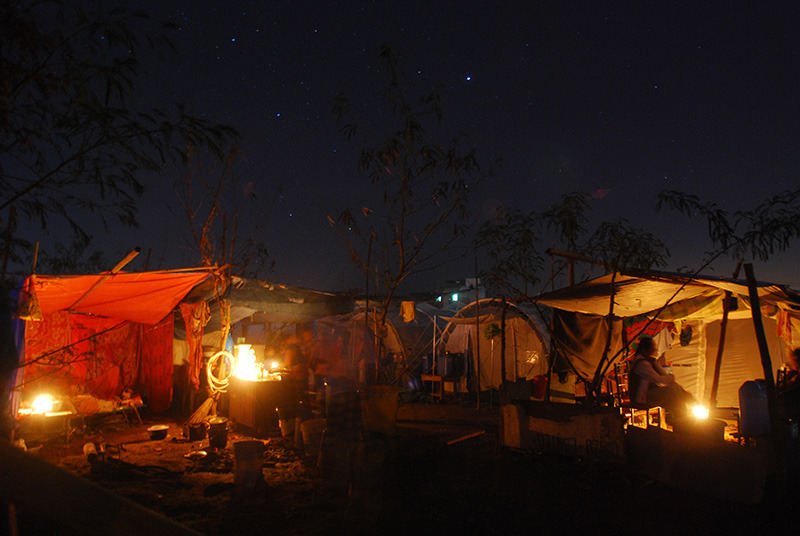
(689, 311)
(349, 342)
(527, 344)
(249, 302)
(101, 334)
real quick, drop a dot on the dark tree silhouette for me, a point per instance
(421, 184)
(73, 147)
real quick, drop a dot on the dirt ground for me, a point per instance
(443, 471)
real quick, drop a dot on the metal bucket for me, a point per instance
(194, 431)
(218, 432)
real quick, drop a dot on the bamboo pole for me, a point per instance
(128, 258)
(35, 258)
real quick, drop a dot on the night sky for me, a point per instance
(627, 97)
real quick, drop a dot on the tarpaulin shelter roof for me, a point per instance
(268, 302)
(637, 294)
(580, 325)
(143, 297)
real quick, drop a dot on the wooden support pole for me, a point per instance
(761, 338)
(766, 363)
(723, 328)
(503, 386)
(477, 348)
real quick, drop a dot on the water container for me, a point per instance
(753, 409)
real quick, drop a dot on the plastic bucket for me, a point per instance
(218, 432)
(287, 427)
(248, 463)
(312, 435)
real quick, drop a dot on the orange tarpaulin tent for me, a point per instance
(101, 334)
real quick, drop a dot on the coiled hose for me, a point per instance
(219, 385)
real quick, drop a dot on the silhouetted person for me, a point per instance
(650, 385)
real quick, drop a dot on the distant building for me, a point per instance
(461, 292)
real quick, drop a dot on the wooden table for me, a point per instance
(437, 384)
(254, 403)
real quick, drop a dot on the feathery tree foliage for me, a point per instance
(512, 244)
(74, 149)
(758, 233)
(421, 188)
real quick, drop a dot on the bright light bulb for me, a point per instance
(700, 412)
(43, 404)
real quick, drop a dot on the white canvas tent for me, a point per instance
(526, 341)
(693, 306)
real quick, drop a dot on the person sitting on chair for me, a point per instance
(650, 385)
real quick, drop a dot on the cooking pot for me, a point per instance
(158, 431)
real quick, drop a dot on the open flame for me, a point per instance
(245, 366)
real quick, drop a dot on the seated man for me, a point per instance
(650, 385)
